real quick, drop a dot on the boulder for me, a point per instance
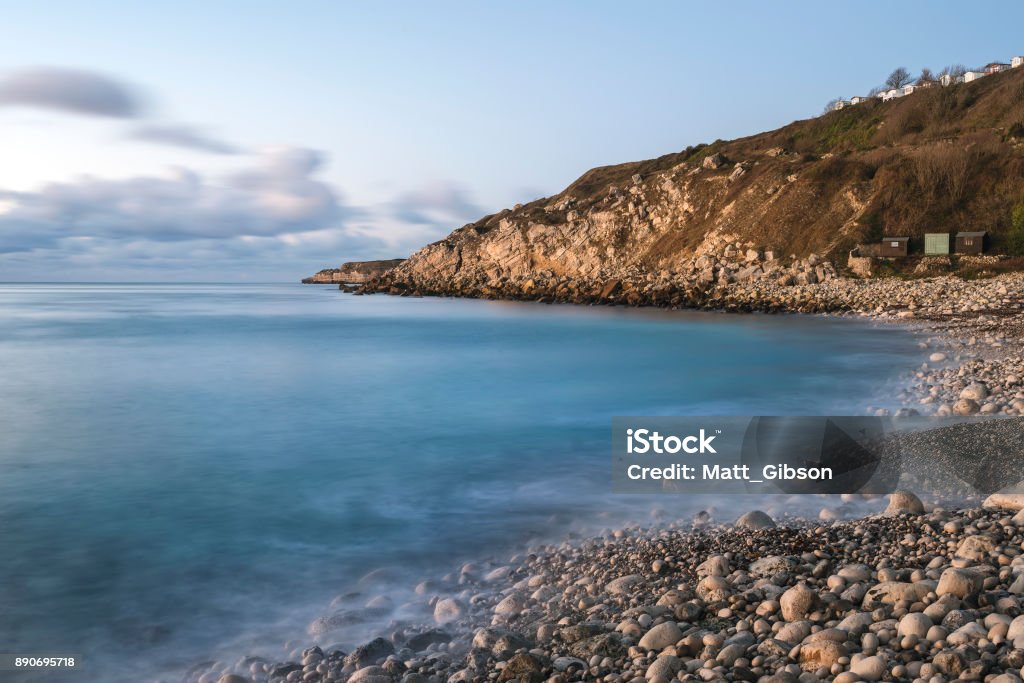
(975, 391)
(447, 610)
(522, 667)
(958, 582)
(770, 566)
(664, 667)
(891, 592)
(713, 161)
(797, 602)
(966, 406)
(624, 584)
(370, 653)
(823, 653)
(661, 636)
(975, 547)
(869, 668)
(915, 624)
(755, 519)
(904, 502)
(1005, 501)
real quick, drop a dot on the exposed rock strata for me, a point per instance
(353, 272)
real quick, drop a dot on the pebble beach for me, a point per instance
(912, 593)
(924, 591)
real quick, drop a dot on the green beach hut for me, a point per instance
(936, 244)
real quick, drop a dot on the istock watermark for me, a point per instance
(812, 454)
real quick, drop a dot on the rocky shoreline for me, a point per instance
(910, 594)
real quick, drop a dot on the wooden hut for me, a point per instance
(893, 246)
(971, 242)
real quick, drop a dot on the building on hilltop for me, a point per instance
(1017, 61)
(858, 99)
(840, 104)
(973, 75)
(996, 67)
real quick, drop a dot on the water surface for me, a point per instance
(190, 467)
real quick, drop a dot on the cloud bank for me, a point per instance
(276, 195)
(270, 218)
(72, 91)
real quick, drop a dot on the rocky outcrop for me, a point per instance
(353, 272)
(811, 191)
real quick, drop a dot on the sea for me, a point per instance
(193, 472)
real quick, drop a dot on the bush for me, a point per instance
(1016, 237)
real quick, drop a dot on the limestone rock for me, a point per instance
(755, 519)
(901, 502)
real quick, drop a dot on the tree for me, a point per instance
(876, 91)
(898, 78)
(831, 105)
(926, 76)
(954, 70)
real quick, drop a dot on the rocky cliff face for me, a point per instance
(353, 272)
(782, 205)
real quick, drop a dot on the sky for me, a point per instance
(263, 141)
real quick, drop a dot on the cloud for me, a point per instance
(184, 136)
(70, 90)
(277, 195)
(436, 204)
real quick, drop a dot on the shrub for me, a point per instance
(1015, 239)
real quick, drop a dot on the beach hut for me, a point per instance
(936, 244)
(971, 242)
(893, 246)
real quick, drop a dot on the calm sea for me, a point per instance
(190, 471)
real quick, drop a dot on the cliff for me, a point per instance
(778, 205)
(353, 272)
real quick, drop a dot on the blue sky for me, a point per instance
(263, 140)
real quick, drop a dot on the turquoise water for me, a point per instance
(191, 470)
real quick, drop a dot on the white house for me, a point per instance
(909, 89)
(946, 80)
(973, 76)
(996, 67)
(1017, 61)
(840, 104)
(892, 94)
(858, 99)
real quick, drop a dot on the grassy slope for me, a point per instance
(942, 159)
